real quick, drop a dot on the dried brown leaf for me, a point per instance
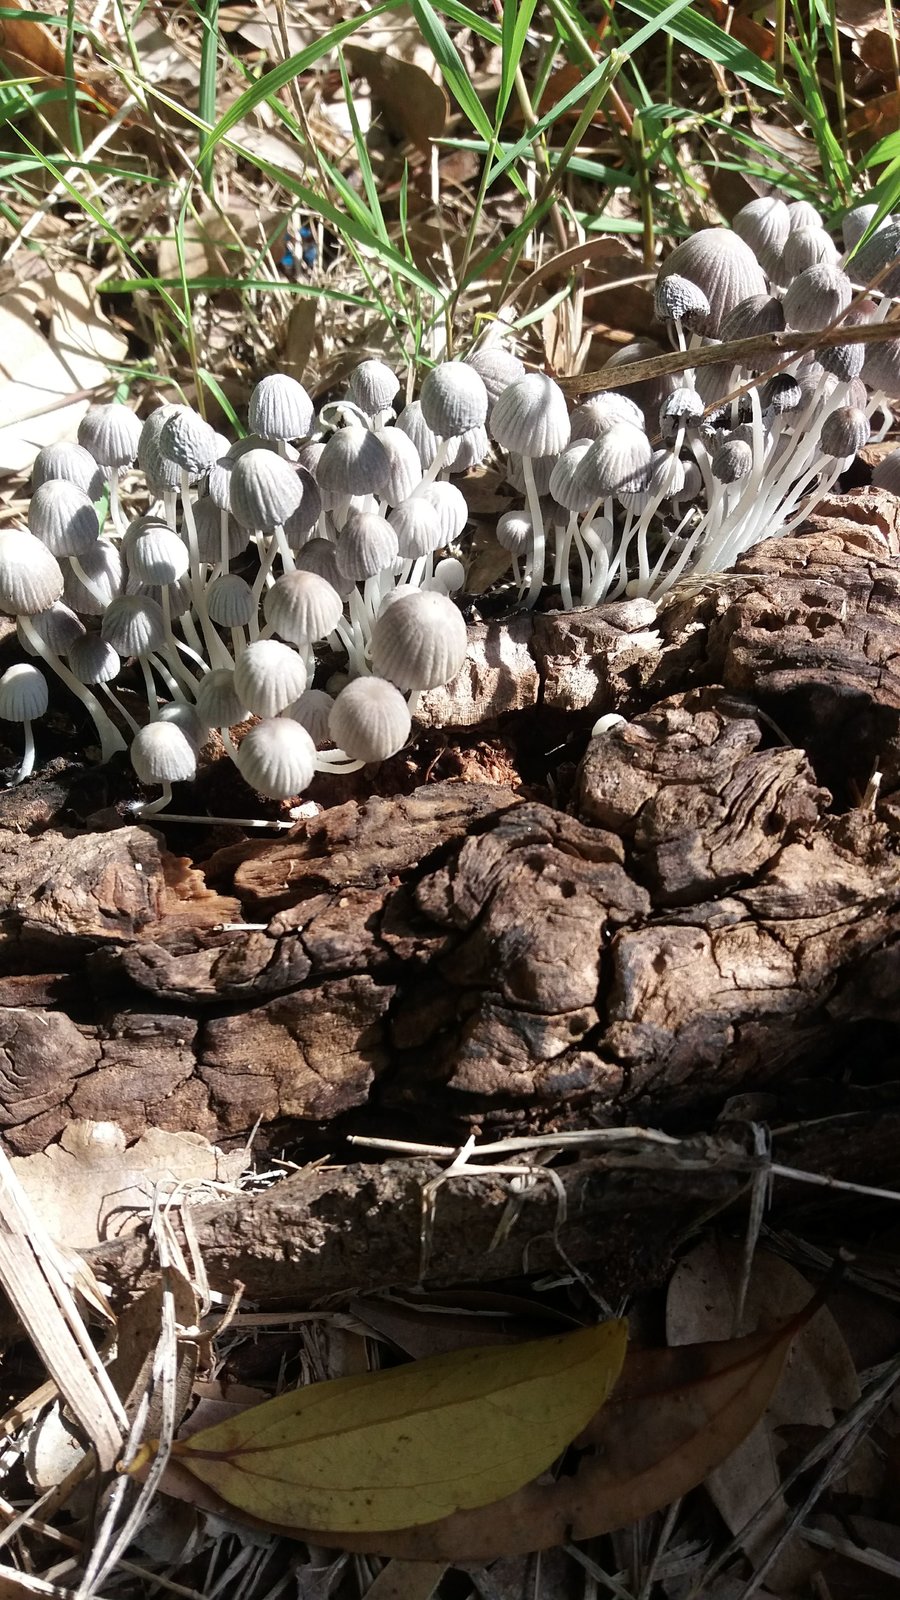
(412, 104)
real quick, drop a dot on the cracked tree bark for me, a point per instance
(711, 920)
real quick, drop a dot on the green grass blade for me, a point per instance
(209, 63)
(709, 41)
(517, 15)
(451, 66)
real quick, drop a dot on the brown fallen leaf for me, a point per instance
(412, 104)
(28, 47)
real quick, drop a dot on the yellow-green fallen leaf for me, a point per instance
(409, 1445)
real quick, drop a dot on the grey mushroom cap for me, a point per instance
(844, 361)
(844, 432)
(70, 462)
(151, 428)
(876, 254)
(881, 368)
(269, 677)
(453, 399)
(302, 522)
(413, 424)
(857, 221)
(418, 527)
(133, 624)
(373, 387)
(617, 463)
(277, 758)
(208, 523)
(370, 718)
(732, 461)
(23, 693)
(353, 462)
(303, 607)
(104, 565)
(682, 408)
(312, 711)
(759, 313)
(817, 297)
(807, 247)
(886, 473)
(93, 660)
(367, 546)
(497, 368)
(161, 475)
(472, 449)
(594, 416)
(265, 490)
(229, 600)
(280, 408)
(803, 214)
(161, 753)
(186, 717)
(782, 393)
(723, 266)
(678, 300)
(30, 577)
(58, 627)
(764, 225)
(562, 485)
(111, 433)
(63, 517)
(450, 504)
(188, 441)
(157, 556)
(320, 556)
(541, 467)
(531, 417)
(218, 702)
(405, 466)
(420, 641)
(515, 531)
(647, 393)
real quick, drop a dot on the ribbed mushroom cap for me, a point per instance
(188, 719)
(531, 417)
(70, 462)
(807, 247)
(63, 517)
(280, 408)
(161, 753)
(676, 299)
(413, 424)
(453, 399)
(886, 473)
(764, 225)
(179, 596)
(497, 368)
(111, 434)
(450, 504)
(418, 527)
(162, 475)
(277, 758)
(373, 387)
(188, 441)
(93, 660)
(151, 428)
(601, 411)
(370, 718)
(133, 624)
(803, 214)
(397, 593)
(353, 462)
(515, 531)
(759, 313)
(782, 393)
(817, 297)
(58, 627)
(312, 711)
(856, 222)
(208, 523)
(367, 546)
(269, 677)
(405, 467)
(320, 556)
(229, 600)
(309, 454)
(30, 577)
(23, 693)
(666, 475)
(541, 467)
(265, 490)
(617, 463)
(881, 368)
(104, 565)
(157, 555)
(877, 253)
(218, 702)
(419, 641)
(723, 266)
(844, 432)
(649, 393)
(472, 449)
(844, 361)
(562, 484)
(303, 607)
(732, 461)
(682, 408)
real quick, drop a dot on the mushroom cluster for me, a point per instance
(256, 563)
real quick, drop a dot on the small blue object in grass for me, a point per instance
(298, 242)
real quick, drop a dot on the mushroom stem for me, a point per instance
(26, 766)
(149, 808)
(214, 647)
(537, 534)
(111, 740)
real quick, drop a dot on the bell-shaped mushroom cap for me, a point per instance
(162, 475)
(844, 432)
(104, 565)
(373, 387)
(179, 596)
(877, 253)
(189, 441)
(353, 462)
(817, 297)
(886, 473)
(562, 478)
(30, 577)
(93, 660)
(881, 368)
(265, 490)
(188, 719)
(450, 504)
(312, 711)
(515, 531)
(412, 422)
(300, 523)
(309, 454)
(807, 247)
(676, 299)
(780, 394)
(151, 428)
(666, 475)
(218, 702)
(218, 481)
(320, 556)
(531, 417)
(111, 434)
(280, 408)
(419, 641)
(133, 624)
(161, 753)
(541, 467)
(844, 361)
(617, 463)
(58, 627)
(367, 546)
(303, 607)
(723, 266)
(208, 523)
(157, 555)
(23, 693)
(453, 399)
(471, 449)
(732, 461)
(229, 600)
(72, 463)
(759, 313)
(63, 517)
(277, 758)
(370, 718)
(418, 527)
(856, 222)
(803, 214)
(764, 225)
(497, 368)
(594, 416)
(682, 408)
(405, 467)
(449, 576)
(269, 677)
